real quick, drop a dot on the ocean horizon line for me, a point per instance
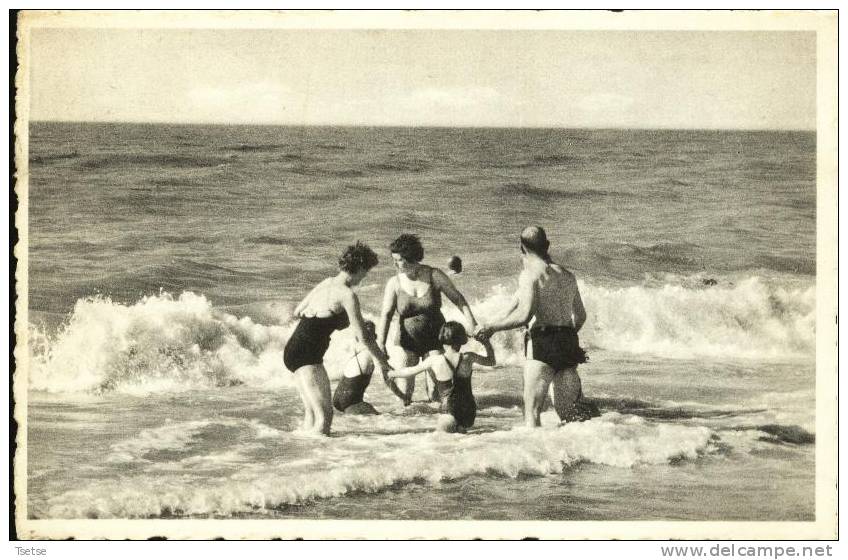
(426, 127)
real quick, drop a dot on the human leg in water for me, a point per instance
(537, 379)
(430, 385)
(407, 385)
(316, 389)
(447, 423)
(565, 390)
(308, 416)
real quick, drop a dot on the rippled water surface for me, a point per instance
(165, 260)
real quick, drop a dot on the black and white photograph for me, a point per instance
(279, 272)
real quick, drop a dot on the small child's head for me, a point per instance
(453, 334)
(455, 264)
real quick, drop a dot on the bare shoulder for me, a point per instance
(567, 274)
(392, 284)
(431, 361)
(345, 294)
(435, 270)
(318, 289)
(438, 276)
(530, 274)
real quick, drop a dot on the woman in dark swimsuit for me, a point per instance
(330, 306)
(416, 294)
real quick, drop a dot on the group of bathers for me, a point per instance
(420, 322)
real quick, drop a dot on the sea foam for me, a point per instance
(339, 466)
(166, 343)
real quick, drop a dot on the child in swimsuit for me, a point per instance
(453, 370)
(348, 397)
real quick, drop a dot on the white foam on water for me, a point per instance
(165, 344)
(215, 461)
(370, 462)
(179, 436)
(156, 345)
(171, 436)
(749, 319)
(785, 408)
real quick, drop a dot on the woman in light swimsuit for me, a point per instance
(453, 376)
(416, 294)
(330, 306)
(350, 392)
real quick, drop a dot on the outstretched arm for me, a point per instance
(487, 360)
(522, 310)
(513, 303)
(444, 284)
(389, 306)
(411, 371)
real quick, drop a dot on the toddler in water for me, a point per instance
(453, 376)
(356, 377)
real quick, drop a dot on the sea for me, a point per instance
(165, 260)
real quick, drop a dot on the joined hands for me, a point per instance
(483, 332)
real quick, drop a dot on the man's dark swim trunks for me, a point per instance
(558, 346)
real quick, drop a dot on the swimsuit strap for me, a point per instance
(356, 359)
(451, 366)
(432, 287)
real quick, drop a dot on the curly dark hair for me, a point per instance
(453, 333)
(357, 257)
(409, 247)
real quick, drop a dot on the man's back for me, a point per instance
(555, 289)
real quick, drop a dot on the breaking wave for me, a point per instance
(169, 343)
(172, 484)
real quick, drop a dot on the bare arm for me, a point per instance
(513, 303)
(351, 305)
(522, 310)
(579, 310)
(389, 306)
(487, 360)
(388, 309)
(444, 284)
(412, 371)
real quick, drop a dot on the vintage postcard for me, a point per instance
(566, 275)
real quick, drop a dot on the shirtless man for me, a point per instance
(549, 302)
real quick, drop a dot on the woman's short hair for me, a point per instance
(453, 334)
(409, 247)
(357, 257)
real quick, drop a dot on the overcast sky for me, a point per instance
(641, 79)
